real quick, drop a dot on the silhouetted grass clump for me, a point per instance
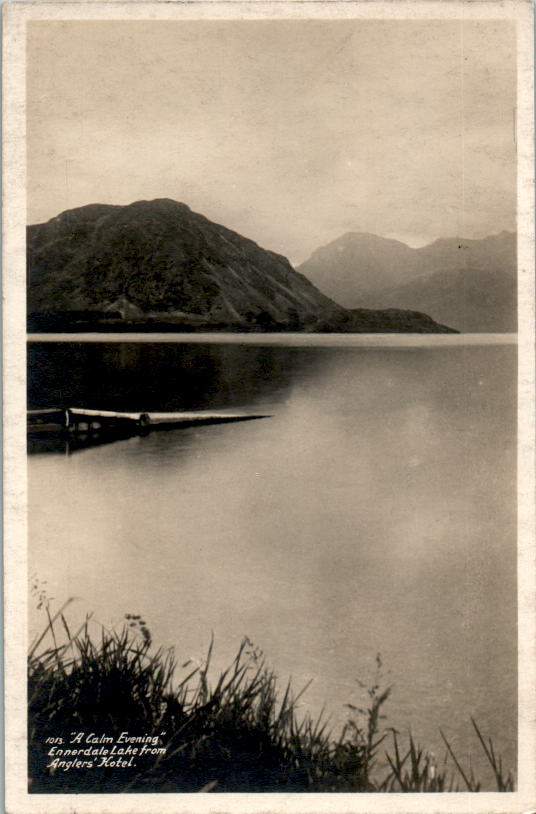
(239, 734)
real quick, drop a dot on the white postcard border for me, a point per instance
(18, 801)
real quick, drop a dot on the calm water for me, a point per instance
(373, 512)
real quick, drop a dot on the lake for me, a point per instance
(374, 511)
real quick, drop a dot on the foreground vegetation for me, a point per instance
(238, 734)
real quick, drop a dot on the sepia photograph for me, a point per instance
(269, 313)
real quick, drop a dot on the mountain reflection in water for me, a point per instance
(160, 377)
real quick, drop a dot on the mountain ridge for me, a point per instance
(470, 284)
(159, 261)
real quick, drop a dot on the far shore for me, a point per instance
(327, 340)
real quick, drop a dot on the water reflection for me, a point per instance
(160, 377)
(155, 377)
(375, 511)
(64, 442)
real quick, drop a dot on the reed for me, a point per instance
(238, 733)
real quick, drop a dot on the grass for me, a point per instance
(241, 732)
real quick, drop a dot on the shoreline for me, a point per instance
(387, 340)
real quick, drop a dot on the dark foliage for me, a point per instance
(239, 735)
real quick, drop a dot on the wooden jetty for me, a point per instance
(79, 420)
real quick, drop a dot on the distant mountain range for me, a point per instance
(158, 265)
(468, 284)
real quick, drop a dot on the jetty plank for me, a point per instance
(82, 419)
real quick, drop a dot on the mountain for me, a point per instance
(469, 284)
(160, 258)
(357, 266)
(158, 264)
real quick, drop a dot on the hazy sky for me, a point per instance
(289, 132)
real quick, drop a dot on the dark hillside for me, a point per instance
(156, 265)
